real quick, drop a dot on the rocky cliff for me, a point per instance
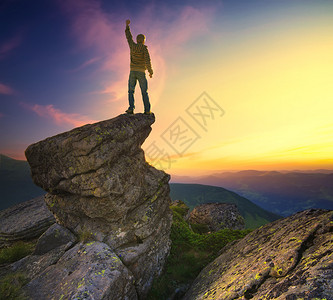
(287, 259)
(99, 184)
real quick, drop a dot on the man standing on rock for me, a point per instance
(140, 61)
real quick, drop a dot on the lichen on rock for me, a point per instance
(287, 259)
(86, 271)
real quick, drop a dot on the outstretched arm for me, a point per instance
(128, 33)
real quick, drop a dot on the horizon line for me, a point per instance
(213, 172)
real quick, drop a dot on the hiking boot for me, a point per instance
(129, 111)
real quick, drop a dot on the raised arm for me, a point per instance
(128, 34)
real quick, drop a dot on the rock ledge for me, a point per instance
(99, 183)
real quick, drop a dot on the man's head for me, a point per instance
(140, 39)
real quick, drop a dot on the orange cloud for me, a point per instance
(16, 152)
(6, 90)
(59, 117)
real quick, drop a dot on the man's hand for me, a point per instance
(128, 22)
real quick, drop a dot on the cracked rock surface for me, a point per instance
(287, 259)
(24, 221)
(99, 184)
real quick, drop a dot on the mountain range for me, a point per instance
(283, 193)
(196, 194)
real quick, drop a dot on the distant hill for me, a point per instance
(16, 185)
(195, 194)
(283, 193)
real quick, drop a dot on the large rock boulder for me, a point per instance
(24, 221)
(99, 183)
(287, 259)
(217, 216)
(86, 271)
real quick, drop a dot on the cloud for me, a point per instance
(8, 46)
(172, 35)
(167, 35)
(86, 64)
(6, 90)
(15, 152)
(91, 25)
(57, 116)
(1, 115)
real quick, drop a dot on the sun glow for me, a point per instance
(277, 97)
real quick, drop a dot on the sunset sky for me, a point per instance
(237, 84)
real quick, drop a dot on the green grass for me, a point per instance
(11, 286)
(16, 251)
(200, 228)
(190, 253)
(182, 210)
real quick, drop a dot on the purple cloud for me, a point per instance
(6, 90)
(8, 46)
(57, 116)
